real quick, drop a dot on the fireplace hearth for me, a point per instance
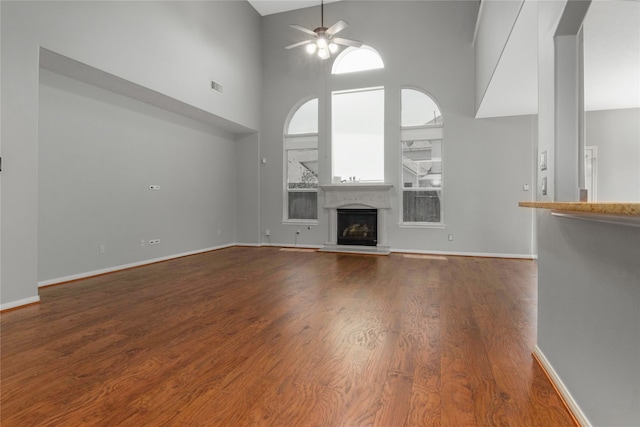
(357, 227)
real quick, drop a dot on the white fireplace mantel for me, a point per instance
(354, 195)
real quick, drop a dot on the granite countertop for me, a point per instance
(606, 208)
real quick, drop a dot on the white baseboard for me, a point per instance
(125, 266)
(20, 302)
(476, 254)
(577, 413)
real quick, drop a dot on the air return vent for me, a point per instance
(216, 86)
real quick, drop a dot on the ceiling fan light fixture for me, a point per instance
(322, 42)
(323, 53)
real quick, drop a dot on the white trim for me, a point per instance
(20, 302)
(562, 389)
(476, 254)
(253, 245)
(125, 266)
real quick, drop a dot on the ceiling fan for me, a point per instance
(324, 42)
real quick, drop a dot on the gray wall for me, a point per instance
(172, 48)
(589, 314)
(616, 133)
(427, 45)
(98, 152)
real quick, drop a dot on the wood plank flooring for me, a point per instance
(264, 337)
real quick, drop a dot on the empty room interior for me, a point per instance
(308, 213)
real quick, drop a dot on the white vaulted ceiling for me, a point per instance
(611, 55)
(269, 7)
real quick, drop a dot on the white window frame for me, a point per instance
(306, 141)
(424, 132)
(331, 130)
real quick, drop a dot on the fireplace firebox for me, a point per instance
(358, 227)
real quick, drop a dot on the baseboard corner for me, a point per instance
(579, 418)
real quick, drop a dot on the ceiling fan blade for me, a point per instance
(299, 44)
(304, 30)
(346, 42)
(336, 28)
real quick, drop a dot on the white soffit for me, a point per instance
(513, 89)
(269, 7)
(612, 55)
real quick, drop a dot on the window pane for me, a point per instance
(358, 135)
(302, 168)
(355, 59)
(422, 164)
(303, 205)
(418, 109)
(421, 206)
(305, 119)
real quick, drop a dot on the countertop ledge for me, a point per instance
(603, 208)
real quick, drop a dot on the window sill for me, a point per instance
(435, 225)
(300, 222)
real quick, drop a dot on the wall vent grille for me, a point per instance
(216, 86)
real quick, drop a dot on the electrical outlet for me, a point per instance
(267, 232)
(154, 241)
(298, 231)
(102, 249)
(451, 237)
(141, 242)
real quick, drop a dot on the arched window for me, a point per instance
(301, 163)
(354, 59)
(421, 144)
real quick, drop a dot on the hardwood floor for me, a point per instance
(264, 337)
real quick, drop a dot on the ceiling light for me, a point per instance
(321, 42)
(324, 40)
(323, 53)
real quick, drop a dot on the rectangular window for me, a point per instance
(302, 183)
(357, 139)
(422, 175)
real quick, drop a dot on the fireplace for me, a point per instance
(357, 227)
(370, 202)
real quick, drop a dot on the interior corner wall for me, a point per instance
(427, 45)
(549, 14)
(173, 48)
(98, 153)
(616, 134)
(247, 183)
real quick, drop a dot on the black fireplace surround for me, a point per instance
(358, 227)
